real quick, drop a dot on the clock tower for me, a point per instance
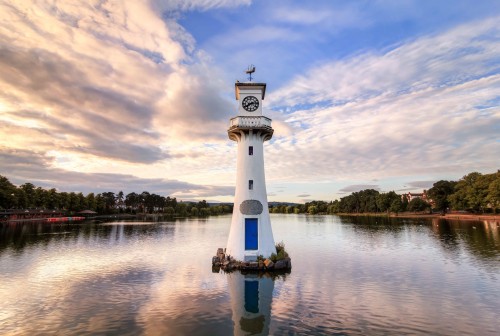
(250, 234)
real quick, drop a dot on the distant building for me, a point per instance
(410, 196)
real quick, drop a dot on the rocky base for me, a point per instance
(227, 264)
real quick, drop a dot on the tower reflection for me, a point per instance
(251, 297)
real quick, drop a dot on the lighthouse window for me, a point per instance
(250, 150)
(250, 184)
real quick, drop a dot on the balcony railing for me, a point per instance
(250, 122)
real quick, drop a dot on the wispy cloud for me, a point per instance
(460, 55)
(412, 110)
(122, 91)
(358, 187)
(33, 166)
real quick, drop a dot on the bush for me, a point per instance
(280, 252)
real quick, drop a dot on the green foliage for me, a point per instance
(395, 205)
(30, 196)
(194, 211)
(472, 192)
(418, 204)
(440, 192)
(312, 210)
(8, 197)
(273, 257)
(280, 252)
(493, 196)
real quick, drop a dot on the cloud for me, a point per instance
(110, 88)
(303, 195)
(113, 87)
(183, 5)
(122, 87)
(24, 166)
(358, 187)
(428, 62)
(327, 18)
(425, 107)
(421, 184)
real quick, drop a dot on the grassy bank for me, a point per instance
(455, 216)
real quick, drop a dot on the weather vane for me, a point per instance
(250, 71)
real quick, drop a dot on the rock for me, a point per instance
(280, 264)
(268, 263)
(285, 263)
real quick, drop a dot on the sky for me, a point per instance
(136, 96)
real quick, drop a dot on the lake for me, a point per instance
(350, 276)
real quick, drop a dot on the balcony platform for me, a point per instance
(243, 123)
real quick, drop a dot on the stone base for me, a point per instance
(228, 264)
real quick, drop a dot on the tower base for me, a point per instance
(228, 264)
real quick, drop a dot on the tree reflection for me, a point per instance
(19, 236)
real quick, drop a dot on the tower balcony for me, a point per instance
(250, 122)
(259, 124)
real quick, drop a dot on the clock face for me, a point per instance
(250, 103)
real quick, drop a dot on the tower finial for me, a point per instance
(250, 71)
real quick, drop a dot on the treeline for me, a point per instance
(28, 196)
(475, 192)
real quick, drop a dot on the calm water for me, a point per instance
(350, 276)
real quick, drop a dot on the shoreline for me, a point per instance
(450, 216)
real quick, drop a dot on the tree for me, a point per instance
(132, 201)
(109, 201)
(395, 205)
(472, 191)
(52, 199)
(182, 209)
(418, 204)
(405, 203)
(74, 202)
(383, 202)
(334, 207)
(41, 198)
(194, 211)
(389, 201)
(91, 202)
(64, 202)
(312, 210)
(7, 193)
(29, 190)
(100, 203)
(493, 196)
(440, 193)
(120, 200)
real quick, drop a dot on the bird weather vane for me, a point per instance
(250, 71)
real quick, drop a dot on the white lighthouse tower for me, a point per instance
(251, 234)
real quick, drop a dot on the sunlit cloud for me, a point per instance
(106, 94)
(415, 109)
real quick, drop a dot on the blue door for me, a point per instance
(251, 234)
